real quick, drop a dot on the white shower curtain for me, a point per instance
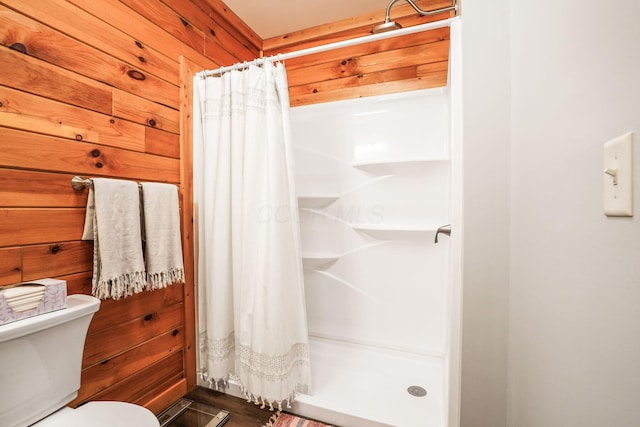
(252, 318)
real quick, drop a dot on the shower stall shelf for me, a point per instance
(387, 232)
(315, 202)
(374, 190)
(318, 261)
(397, 166)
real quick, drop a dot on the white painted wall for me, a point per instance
(486, 109)
(546, 84)
(574, 350)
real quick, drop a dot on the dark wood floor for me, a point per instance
(243, 413)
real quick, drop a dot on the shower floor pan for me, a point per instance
(361, 386)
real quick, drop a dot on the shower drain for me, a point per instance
(417, 391)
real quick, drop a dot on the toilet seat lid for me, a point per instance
(102, 414)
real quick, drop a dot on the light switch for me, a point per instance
(618, 176)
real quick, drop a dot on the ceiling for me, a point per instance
(276, 17)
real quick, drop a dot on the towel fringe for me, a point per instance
(163, 279)
(124, 285)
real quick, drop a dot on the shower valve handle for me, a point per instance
(445, 229)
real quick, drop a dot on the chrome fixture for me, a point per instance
(417, 391)
(389, 25)
(445, 229)
(79, 183)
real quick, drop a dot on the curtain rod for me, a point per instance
(331, 46)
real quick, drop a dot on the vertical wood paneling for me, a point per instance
(188, 69)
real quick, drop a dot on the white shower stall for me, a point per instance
(376, 179)
(374, 184)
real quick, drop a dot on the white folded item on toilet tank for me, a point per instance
(32, 298)
(24, 298)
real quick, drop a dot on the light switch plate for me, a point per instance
(618, 176)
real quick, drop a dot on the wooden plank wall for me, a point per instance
(93, 88)
(398, 64)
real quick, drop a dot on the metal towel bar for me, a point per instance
(79, 183)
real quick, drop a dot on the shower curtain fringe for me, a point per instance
(274, 405)
(331, 46)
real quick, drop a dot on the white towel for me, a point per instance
(112, 221)
(163, 246)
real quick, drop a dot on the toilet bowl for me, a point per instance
(40, 366)
(101, 414)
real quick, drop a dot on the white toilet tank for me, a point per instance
(41, 361)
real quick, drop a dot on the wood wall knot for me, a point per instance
(141, 59)
(152, 122)
(99, 165)
(79, 137)
(138, 44)
(175, 332)
(95, 153)
(347, 67)
(54, 249)
(136, 75)
(184, 22)
(1, 104)
(148, 317)
(19, 47)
